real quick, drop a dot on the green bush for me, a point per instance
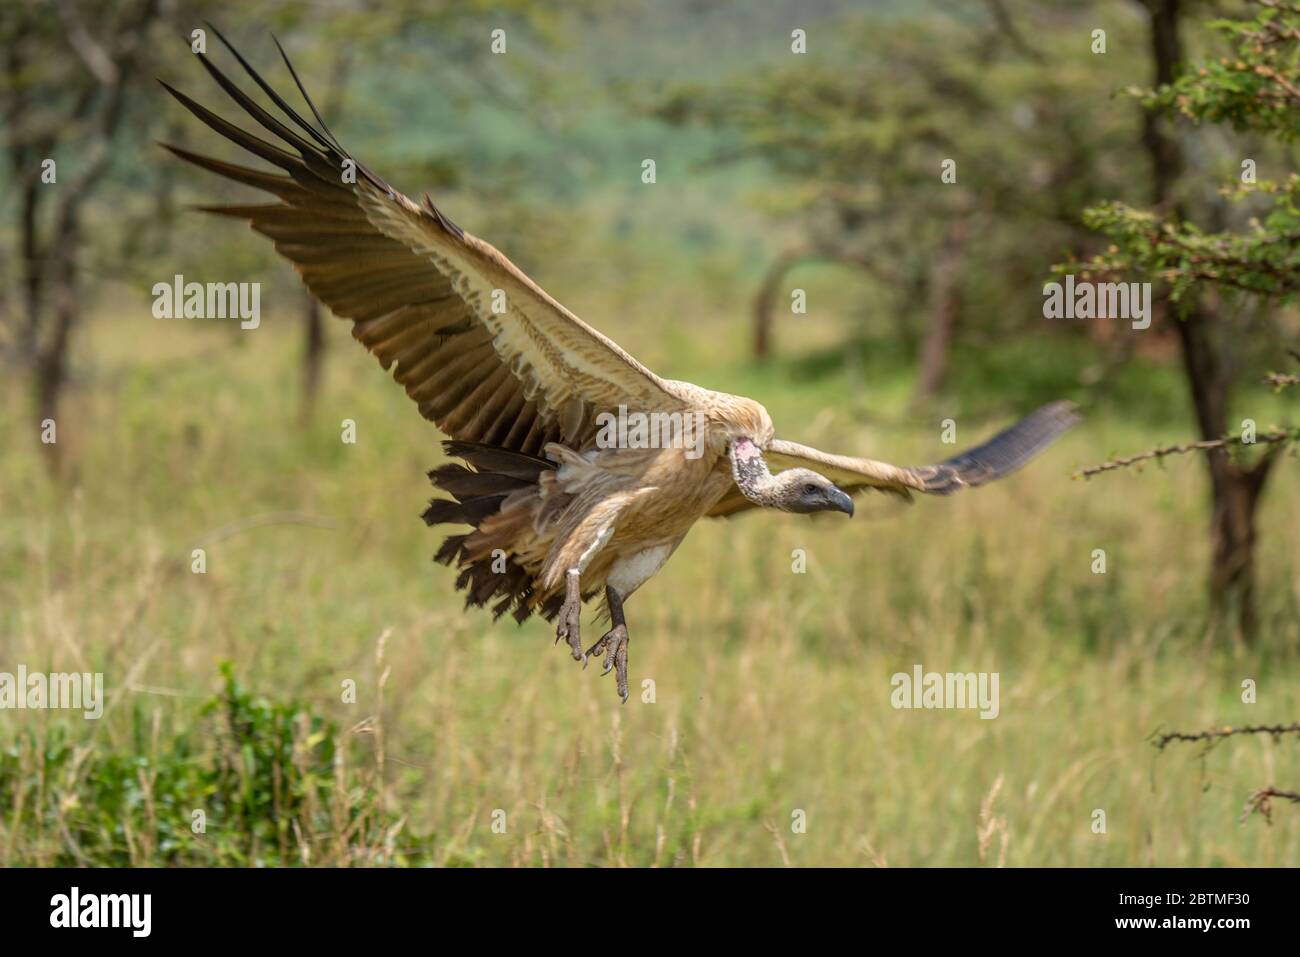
(254, 783)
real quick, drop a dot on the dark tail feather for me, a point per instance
(467, 484)
(450, 549)
(445, 511)
(489, 458)
(478, 490)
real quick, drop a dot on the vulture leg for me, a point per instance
(571, 615)
(614, 642)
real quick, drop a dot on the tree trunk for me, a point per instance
(945, 310)
(96, 101)
(31, 271)
(313, 354)
(51, 371)
(765, 301)
(313, 349)
(1235, 490)
(1232, 570)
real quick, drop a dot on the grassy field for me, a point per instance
(772, 689)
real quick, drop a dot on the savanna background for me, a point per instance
(776, 171)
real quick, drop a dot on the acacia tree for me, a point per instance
(68, 70)
(859, 135)
(1256, 89)
(79, 114)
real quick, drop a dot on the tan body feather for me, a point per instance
(647, 499)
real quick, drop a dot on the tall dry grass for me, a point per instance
(771, 688)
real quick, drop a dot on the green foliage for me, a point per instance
(1257, 89)
(1264, 261)
(270, 779)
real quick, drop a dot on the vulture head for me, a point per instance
(794, 490)
(803, 491)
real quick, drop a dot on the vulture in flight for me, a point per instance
(524, 389)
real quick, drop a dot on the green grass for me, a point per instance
(772, 689)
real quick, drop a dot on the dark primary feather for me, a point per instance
(275, 97)
(404, 310)
(412, 283)
(1002, 454)
(303, 90)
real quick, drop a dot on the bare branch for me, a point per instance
(1287, 435)
(1214, 735)
(1261, 802)
(262, 521)
(95, 57)
(1008, 27)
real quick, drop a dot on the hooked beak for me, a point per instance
(841, 502)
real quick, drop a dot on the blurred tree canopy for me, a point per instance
(861, 136)
(95, 201)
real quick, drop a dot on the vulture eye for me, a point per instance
(810, 489)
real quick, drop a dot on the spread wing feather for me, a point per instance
(485, 353)
(999, 456)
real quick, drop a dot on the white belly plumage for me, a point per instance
(626, 575)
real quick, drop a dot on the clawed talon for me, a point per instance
(570, 619)
(613, 644)
(570, 628)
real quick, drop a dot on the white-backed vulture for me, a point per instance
(523, 387)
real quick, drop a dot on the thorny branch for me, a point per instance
(1285, 435)
(1214, 735)
(1261, 800)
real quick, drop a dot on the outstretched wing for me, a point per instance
(999, 456)
(485, 353)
